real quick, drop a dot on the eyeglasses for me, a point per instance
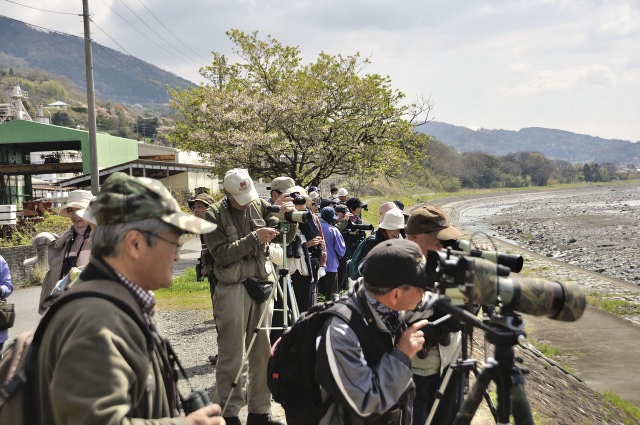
(178, 245)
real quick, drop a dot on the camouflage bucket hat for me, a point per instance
(125, 199)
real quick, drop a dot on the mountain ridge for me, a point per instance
(553, 144)
(117, 77)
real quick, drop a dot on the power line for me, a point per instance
(102, 48)
(143, 34)
(159, 36)
(122, 62)
(155, 83)
(170, 32)
(43, 28)
(43, 10)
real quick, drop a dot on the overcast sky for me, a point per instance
(566, 64)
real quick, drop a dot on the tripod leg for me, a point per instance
(443, 388)
(521, 408)
(477, 392)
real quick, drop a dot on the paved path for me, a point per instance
(26, 299)
(602, 349)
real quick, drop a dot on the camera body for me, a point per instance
(196, 400)
(299, 200)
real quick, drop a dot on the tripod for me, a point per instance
(462, 366)
(504, 330)
(282, 287)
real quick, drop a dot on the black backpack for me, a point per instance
(291, 370)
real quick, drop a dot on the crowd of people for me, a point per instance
(132, 229)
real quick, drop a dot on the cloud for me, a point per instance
(568, 79)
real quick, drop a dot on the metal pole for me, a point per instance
(91, 102)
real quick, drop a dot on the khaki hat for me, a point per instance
(431, 221)
(296, 189)
(395, 262)
(125, 199)
(393, 220)
(205, 198)
(77, 199)
(239, 186)
(342, 192)
(281, 184)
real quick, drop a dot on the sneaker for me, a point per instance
(262, 419)
(232, 420)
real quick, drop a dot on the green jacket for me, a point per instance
(236, 252)
(95, 366)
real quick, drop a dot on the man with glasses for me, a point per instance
(98, 363)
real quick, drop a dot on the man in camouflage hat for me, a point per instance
(98, 361)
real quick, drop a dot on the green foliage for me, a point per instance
(619, 307)
(630, 409)
(52, 223)
(25, 231)
(276, 116)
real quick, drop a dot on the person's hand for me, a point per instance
(412, 339)
(208, 415)
(285, 202)
(266, 234)
(315, 241)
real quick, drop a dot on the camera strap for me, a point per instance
(173, 362)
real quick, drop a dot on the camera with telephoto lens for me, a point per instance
(291, 216)
(353, 227)
(196, 400)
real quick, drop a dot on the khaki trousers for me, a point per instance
(236, 316)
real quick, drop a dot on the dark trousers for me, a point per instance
(426, 387)
(343, 282)
(305, 289)
(328, 285)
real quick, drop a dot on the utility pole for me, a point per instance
(91, 101)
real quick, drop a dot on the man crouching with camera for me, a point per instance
(363, 366)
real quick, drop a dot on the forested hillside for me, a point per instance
(553, 144)
(118, 77)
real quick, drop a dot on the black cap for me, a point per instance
(393, 263)
(327, 202)
(353, 203)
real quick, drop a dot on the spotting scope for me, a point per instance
(512, 261)
(462, 277)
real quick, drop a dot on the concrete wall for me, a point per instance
(20, 275)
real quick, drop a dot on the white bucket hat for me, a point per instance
(342, 192)
(393, 220)
(77, 199)
(86, 215)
